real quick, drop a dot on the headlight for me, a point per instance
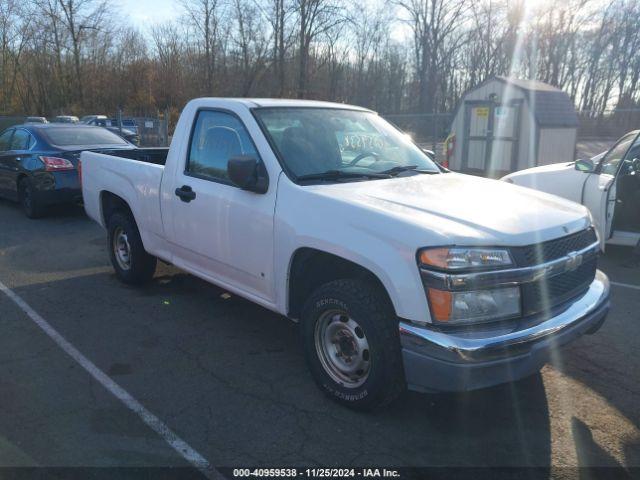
(458, 308)
(458, 258)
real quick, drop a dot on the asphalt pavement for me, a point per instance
(228, 379)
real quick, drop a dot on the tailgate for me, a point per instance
(135, 182)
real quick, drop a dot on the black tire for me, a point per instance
(368, 307)
(31, 207)
(141, 265)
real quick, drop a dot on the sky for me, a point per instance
(143, 13)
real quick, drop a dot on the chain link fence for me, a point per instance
(427, 129)
(9, 121)
(423, 127)
(594, 128)
(153, 131)
(612, 124)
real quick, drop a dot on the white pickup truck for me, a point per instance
(608, 184)
(400, 272)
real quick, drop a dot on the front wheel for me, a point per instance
(133, 265)
(352, 345)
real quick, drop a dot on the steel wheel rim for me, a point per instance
(121, 248)
(342, 348)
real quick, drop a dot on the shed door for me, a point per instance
(491, 138)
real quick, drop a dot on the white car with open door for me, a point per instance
(607, 184)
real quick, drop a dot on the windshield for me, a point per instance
(313, 141)
(67, 136)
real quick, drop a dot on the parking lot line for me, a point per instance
(626, 285)
(179, 445)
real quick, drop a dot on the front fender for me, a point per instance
(373, 243)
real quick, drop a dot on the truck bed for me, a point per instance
(157, 156)
(134, 176)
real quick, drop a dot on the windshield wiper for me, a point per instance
(339, 174)
(405, 168)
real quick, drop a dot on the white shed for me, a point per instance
(506, 124)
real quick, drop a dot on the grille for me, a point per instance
(545, 294)
(553, 249)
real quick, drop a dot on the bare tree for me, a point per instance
(314, 18)
(169, 51)
(435, 25)
(15, 32)
(278, 14)
(251, 42)
(204, 17)
(78, 17)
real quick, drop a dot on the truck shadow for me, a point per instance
(590, 454)
(230, 376)
(606, 363)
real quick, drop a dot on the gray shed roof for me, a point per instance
(552, 108)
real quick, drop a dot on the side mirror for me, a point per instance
(248, 173)
(585, 165)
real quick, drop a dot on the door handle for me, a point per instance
(186, 193)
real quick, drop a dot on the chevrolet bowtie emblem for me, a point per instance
(573, 262)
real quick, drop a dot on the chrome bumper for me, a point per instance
(436, 359)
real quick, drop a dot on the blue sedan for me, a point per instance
(39, 162)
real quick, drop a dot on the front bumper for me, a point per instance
(468, 359)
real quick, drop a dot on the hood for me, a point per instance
(467, 209)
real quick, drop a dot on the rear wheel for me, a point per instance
(31, 207)
(352, 345)
(132, 264)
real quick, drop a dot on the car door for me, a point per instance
(220, 231)
(5, 158)
(597, 188)
(17, 155)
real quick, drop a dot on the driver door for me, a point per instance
(219, 231)
(599, 194)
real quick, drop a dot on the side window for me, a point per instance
(5, 141)
(631, 161)
(217, 137)
(20, 140)
(612, 159)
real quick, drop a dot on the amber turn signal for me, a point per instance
(435, 257)
(441, 302)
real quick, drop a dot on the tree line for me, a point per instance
(403, 56)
